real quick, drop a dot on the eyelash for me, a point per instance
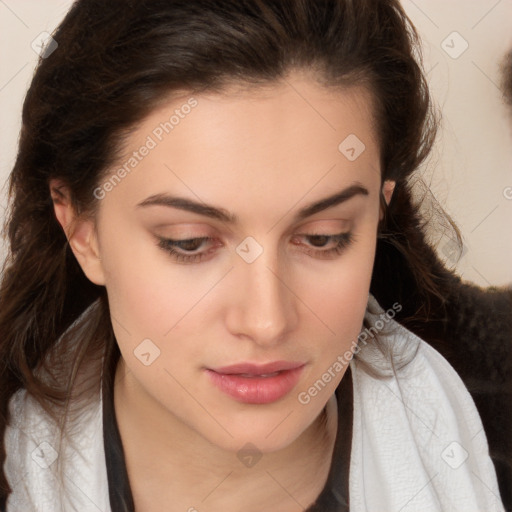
(342, 240)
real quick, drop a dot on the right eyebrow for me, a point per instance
(189, 205)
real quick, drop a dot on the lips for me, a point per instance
(258, 370)
(257, 384)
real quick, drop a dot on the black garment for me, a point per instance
(333, 498)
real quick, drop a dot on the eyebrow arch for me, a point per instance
(223, 215)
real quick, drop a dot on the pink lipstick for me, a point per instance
(257, 384)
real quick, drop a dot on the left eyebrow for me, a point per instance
(223, 215)
(334, 200)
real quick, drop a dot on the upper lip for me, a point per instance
(258, 369)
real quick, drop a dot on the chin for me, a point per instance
(268, 432)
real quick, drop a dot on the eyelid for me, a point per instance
(168, 245)
(183, 230)
(182, 224)
(323, 226)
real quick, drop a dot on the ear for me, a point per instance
(387, 192)
(80, 232)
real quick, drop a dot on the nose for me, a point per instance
(262, 307)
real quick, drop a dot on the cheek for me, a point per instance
(340, 301)
(150, 297)
(141, 285)
(339, 297)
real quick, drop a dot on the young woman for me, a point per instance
(219, 295)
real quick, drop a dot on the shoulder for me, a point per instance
(415, 420)
(30, 439)
(49, 471)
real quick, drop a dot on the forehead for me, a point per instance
(278, 141)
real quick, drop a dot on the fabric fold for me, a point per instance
(418, 441)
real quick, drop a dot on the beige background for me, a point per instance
(470, 170)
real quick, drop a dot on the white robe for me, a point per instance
(418, 443)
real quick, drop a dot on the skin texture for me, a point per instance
(261, 155)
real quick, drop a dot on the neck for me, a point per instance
(189, 466)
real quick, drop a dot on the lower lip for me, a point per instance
(257, 390)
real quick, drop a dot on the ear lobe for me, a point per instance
(387, 192)
(62, 205)
(80, 232)
(84, 244)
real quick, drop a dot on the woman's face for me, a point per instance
(242, 233)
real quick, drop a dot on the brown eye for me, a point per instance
(188, 250)
(189, 245)
(319, 240)
(324, 246)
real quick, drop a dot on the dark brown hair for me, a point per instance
(114, 63)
